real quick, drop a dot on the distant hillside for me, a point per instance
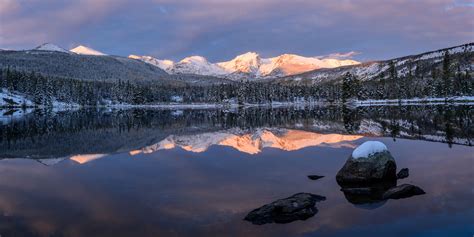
(421, 64)
(84, 67)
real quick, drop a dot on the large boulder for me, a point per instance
(300, 206)
(369, 163)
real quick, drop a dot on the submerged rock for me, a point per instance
(300, 206)
(403, 191)
(371, 162)
(403, 173)
(315, 177)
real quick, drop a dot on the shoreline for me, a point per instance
(462, 100)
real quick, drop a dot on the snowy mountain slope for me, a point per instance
(86, 51)
(248, 65)
(197, 65)
(51, 47)
(372, 70)
(82, 67)
(166, 65)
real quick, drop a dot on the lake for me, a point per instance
(151, 172)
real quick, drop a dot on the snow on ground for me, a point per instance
(9, 115)
(51, 47)
(370, 127)
(63, 106)
(368, 148)
(177, 113)
(415, 100)
(9, 99)
(50, 161)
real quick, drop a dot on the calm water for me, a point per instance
(199, 172)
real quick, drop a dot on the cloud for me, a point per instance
(8, 7)
(36, 22)
(347, 55)
(221, 29)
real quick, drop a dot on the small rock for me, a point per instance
(403, 173)
(403, 191)
(315, 177)
(300, 206)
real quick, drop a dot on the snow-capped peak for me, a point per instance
(251, 142)
(197, 65)
(81, 49)
(165, 64)
(51, 47)
(247, 63)
(195, 59)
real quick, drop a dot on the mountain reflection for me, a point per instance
(251, 143)
(58, 134)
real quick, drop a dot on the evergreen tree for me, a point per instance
(447, 85)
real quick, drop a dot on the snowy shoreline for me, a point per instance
(468, 100)
(10, 100)
(433, 101)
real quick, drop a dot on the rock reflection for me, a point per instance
(369, 177)
(366, 194)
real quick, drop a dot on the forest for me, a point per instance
(445, 80)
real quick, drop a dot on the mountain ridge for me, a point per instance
(247, 65)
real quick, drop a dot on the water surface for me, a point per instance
(199, 172)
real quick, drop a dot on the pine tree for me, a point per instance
(347, 89)
(447, 85)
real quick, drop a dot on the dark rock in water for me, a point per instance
(403, 191)
(315, 177)
(377, 167)
(403, 173)
(300, 206)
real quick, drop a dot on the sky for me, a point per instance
(221, 29)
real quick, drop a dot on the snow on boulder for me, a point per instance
(368, 148)
(371, 162)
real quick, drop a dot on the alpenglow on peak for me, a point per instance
(247, 65)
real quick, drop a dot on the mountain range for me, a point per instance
(244, 66)
(287, 68)
(248, 65)
(251, 143)
(86, 76)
